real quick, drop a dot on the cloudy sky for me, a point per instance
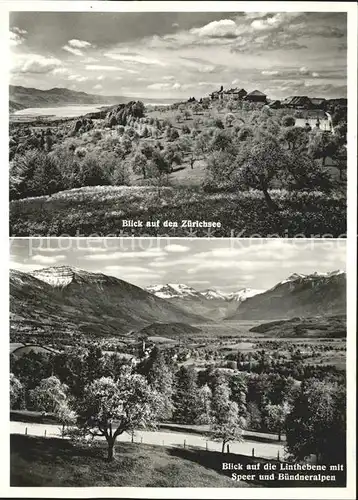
(227, 265)
(176, 55)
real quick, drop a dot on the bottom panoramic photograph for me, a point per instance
(177, 363)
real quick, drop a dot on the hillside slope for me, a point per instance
(35, 98)
(63, 300)
(298, 295)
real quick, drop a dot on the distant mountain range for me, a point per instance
(297, 295)
(64, 300)
(179, 290)
(24, 97)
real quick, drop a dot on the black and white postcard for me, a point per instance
(179, 249)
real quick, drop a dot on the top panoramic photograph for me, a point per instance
(183, 124)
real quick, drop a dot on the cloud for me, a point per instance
(75, 46)
(159, 86)
(98, 86)
(175, 248)
(144, 254)
(136, 59)
(60, 71)
(48, 259)
(269, 72)
(88, 60)
(17, 36)
(79, 44)
(75, 52)
(78, 78)
(36, 64)
(225, 28)
(166, 86)
(102, 67)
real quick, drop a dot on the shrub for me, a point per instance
(33, 174)
(288, 121)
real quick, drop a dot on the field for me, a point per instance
(183, 162)
(54, 462)
(102, 210)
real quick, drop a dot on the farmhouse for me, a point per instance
(217, 94)
(236, 94)
(256, 96)
(319, 102)
(298, 102)
(274, 104)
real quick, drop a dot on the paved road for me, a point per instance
(163, 438)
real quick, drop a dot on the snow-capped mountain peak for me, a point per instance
(174, 290)
(243, 294)
(298, 276)
(171, 290)
(58, 276)
(212, 294)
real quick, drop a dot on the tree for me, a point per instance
(317, 423)
(323, 145)
(229, 119)
(111, 407)
(16, 392)
(296, 139)
(204, 405)
(94, 363)
(185, 396)
(259, 163)
(238, 389)
(197, 108)
(302, 172)
(34, 173)
(70, 368)
(139, 164)
(226, 423)
(158, 169)
(52, 396)
(160, 377)
(254, 417)
(186, 114)
(275, 419)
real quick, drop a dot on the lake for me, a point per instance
(70, 111)
(60, 111)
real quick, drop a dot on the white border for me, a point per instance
(185, 6)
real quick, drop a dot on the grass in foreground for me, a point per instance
(100, 210)
(55, 463)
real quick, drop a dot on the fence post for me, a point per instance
(228, 448)
(184, 444)
(141, 440)
(45, 432)
(253, 452)
(25, 431)
(278, 455)
(206, 446)
(132, 436)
